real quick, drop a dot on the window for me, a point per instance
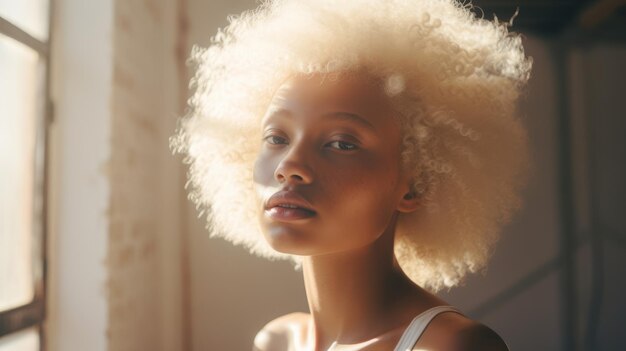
(24, 117)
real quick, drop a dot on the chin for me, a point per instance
(287, 241)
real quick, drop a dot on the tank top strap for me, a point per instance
(418, 325)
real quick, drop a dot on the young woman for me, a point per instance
(373, 143)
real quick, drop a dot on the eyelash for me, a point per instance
(351, 146)
(269, 137)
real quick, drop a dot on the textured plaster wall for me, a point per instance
(145, 285)
(116, 277)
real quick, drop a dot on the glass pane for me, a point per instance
(30, 15)
(26, 340)
(21, 98)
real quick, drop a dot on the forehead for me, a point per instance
(355, 93)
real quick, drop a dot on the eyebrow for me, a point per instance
(352, 117)
(335, 115)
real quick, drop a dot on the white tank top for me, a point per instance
(418, 325)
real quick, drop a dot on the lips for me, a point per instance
(288, 205)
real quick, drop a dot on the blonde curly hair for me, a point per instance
(453, 78)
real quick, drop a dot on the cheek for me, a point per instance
(263, 171)
(262, 177)
(375, 176)
(366, 198)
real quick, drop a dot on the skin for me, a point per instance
(336, 143)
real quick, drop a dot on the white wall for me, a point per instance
(79, 152)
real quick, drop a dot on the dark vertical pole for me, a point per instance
(566, 200)
(45, 214)
(595, 230)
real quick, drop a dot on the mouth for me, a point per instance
(286, 213)
(288, 206)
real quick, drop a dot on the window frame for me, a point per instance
(33, 313)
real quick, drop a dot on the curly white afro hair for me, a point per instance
(453, 78)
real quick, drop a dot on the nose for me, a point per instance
(294, 168)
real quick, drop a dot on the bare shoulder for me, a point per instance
(478, 336)
(279, 333)
(455, 332)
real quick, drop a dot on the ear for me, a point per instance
(409, 202)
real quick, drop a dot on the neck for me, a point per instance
(350, 293)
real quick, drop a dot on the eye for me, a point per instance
(275, 139)
(342, 145)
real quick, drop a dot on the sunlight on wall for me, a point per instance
(30, 15)
(26, 340)
(18, 112)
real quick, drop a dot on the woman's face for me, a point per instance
(331, 158)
